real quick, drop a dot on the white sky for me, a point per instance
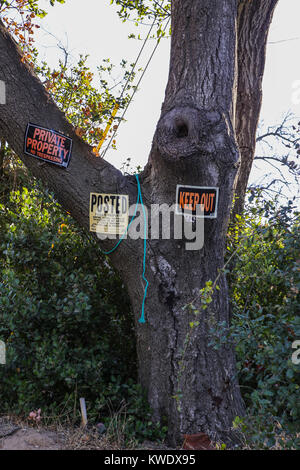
(95, 29)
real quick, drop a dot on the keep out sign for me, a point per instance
(188, 197)
(47, 145)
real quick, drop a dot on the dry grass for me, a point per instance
(79, 438)
(70, 437)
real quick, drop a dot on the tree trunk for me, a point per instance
(254, 19)
(194, 144)
(195, 391)
(2, 155)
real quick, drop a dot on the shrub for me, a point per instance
(265, 283)
(64, 312)
(64, 315)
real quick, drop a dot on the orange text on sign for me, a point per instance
(189, 201)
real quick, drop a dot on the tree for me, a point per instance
(254, 19)
(282, 159)
(209, 118)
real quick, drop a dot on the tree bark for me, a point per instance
(2, 155)
(194, 144)
(254, 19)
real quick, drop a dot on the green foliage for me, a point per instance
(152, 13)
(19, 17)
(87, 101)
(140, 10)
(65, 318)
(31, 6)
(263, 268)
(265, 283)
(61, 307)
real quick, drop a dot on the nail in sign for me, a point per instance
(188, 197)
(48, 145)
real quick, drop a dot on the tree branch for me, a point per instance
(28, 101)
(254, 19)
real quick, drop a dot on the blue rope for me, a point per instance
(139, 198)
(142, 319)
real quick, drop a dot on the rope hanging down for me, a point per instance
(139, 199)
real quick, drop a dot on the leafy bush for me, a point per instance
(65, 317)
(64, 312)
(265, 283)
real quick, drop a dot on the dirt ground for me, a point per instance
(31, 439)
(19, 437)
(16, 435)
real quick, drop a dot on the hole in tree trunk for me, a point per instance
(181, 129)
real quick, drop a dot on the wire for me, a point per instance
(137, 59)
(136, 87)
